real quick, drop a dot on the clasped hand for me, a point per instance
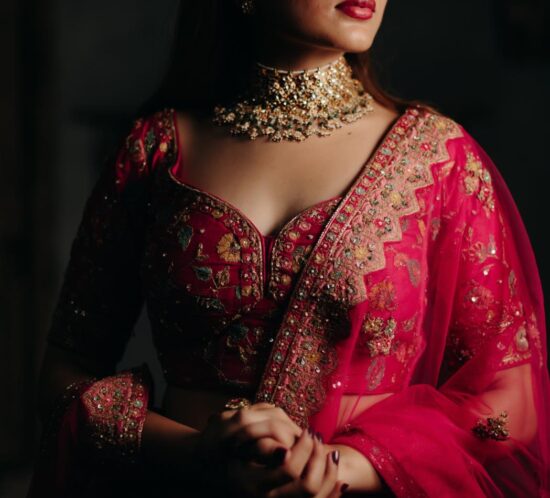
(264, 454)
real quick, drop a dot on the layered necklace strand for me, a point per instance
(294, 105)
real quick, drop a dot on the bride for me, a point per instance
(340, 288)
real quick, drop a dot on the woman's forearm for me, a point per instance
(163, 441)
(166, 442)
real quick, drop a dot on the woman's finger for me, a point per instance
(314, 472)
(310, 482)
(299, 455)
(330, 477)
(274, 411)
(338, 490)
(292, 465)
(279, 430)
(262, 406)
(266, 450)
(226, 423)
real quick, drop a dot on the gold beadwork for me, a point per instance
(293, 105)
(493, 428)
(237, 403)
(378, 335)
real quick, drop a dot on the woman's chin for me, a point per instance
(352, 43)
(348, 37)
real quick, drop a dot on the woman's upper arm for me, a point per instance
(492, 299)
(101, 295)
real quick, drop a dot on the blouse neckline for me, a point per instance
(280, 232)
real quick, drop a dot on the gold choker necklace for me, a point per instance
(293, 105)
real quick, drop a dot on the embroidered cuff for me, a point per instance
(114, 410)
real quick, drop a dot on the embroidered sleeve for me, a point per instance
(95, 424)
(101, 296)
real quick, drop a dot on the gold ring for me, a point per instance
(237, 403)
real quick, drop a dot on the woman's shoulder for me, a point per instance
(431, 124)
(441, 129)
(150, 137)
(148, 140)
(151, 132)
(449, 142)
(460, 165)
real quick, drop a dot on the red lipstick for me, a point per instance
(358, 9)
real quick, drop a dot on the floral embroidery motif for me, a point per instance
(381, 296)
(478, 251)
(228, 248)
(200, 254)
(248, 341)
(519, 349)
(522, 344)
(184, 236)
(478, 181)
(203, 273)
(222, 277)
(492, 428)
(480, 298)
(375, 373)
(378, 335)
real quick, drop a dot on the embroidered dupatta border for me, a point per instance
(350, 246)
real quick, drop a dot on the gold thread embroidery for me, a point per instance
(229, 249)
(116, 407)
(385, 196)
(381, 296)
(378, 335)
(478, 181)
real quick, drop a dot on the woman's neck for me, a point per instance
(298, 62)
(283, 52)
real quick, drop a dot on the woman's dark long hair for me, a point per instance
(212, 49)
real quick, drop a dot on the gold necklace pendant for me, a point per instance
(294, 105)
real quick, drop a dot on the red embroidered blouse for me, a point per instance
(216, 288)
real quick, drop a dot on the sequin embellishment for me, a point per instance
(492, 428)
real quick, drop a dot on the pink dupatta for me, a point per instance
(423, 287)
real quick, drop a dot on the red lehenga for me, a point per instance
(418, 282)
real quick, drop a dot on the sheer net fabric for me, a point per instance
(473, 419)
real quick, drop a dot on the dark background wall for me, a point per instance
(76, 71)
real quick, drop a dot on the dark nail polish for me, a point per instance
(279, 456)
(335, 456)
(319, 436)
(344, 487)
